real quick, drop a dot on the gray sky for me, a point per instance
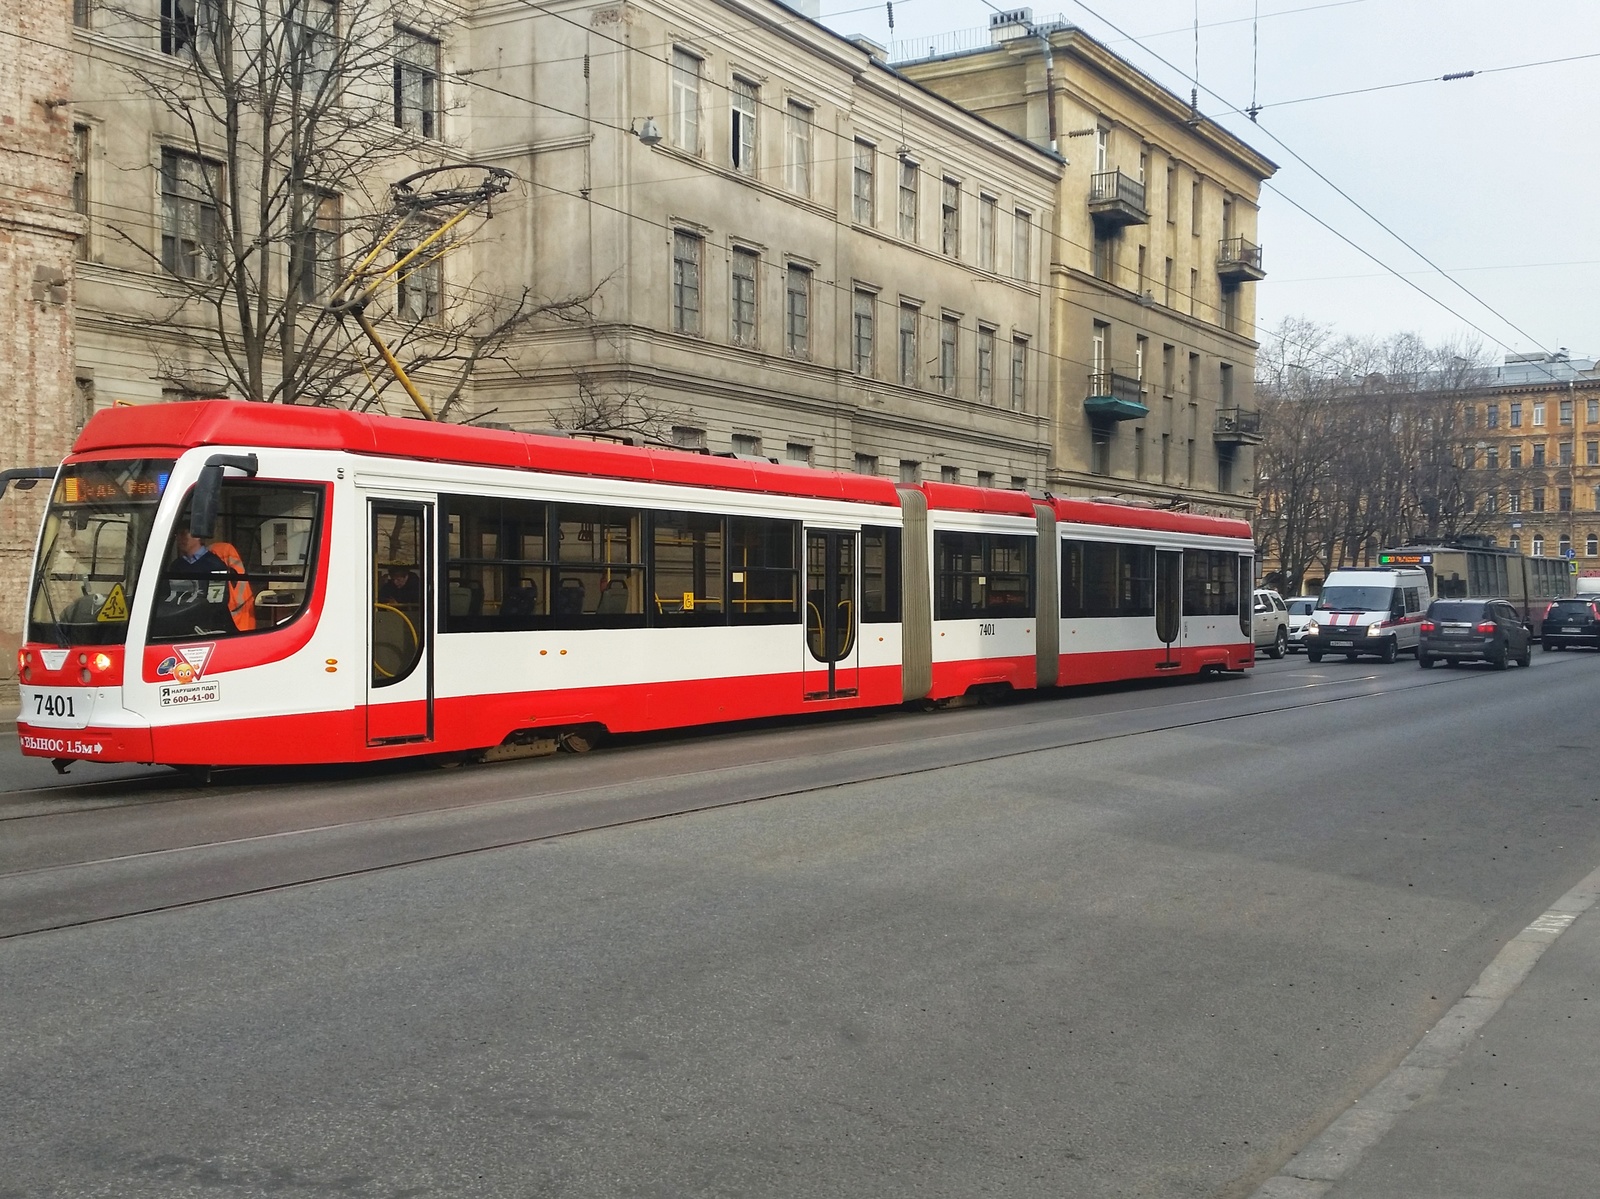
(1495, 178)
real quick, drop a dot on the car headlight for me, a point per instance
(1374, 630)
(1311, 628)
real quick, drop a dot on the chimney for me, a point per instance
(1009, 25)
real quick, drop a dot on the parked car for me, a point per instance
(1474, 630)
(1269, 622)
(1300, 609)
(1571, 622)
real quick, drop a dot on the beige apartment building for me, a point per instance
(785, 248)
(39, 409)
(1154, 261)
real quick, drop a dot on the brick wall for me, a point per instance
(38, 233)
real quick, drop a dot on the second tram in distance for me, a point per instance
(222, 583)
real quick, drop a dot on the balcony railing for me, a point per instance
(1239, 260)
(1116, 200)
(1237, 426)
(1114, 397)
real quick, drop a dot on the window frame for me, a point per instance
(688, 254)
(412, 73)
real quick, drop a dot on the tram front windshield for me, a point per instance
(95, 534)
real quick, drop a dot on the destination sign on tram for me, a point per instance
(1411, 559)
(88, 484)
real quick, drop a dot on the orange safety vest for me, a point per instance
(241, 600)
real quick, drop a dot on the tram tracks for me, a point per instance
(67, 877)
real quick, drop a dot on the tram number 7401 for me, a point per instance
(48, 704)
(986, 629)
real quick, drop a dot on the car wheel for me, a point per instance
(1545, 644)
(1313, 656)
(1280, 644)
(1526, 657)
(1501, 658)
(1425, 661)
(1390, 651)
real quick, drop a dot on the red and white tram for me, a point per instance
(364, 587)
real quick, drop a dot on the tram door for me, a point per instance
(831, 614)
(400, 608)
(1169, 605)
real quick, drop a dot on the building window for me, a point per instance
(1538, 414)
(1019, 373)
(1102, 147)
(1194, 293)
(1099, 450)
(686, 437)
(191, 220)
(746, 445)
(1538, 499)
(1564, 453)
(797, 311)
(1538, 545)
(986, 364)
(863, 193)
(1172, 192)
(797, 454)
(1491, 458)
(1594, 411)
(1491, 416)
(1591, 546)
(1591, 453)
(798, 121)
(745, 99)
(685, 282)
(1194, 208)
(185, 25)
(1563, 499)
(1514, 501)
(683, 120)
(80, 184)
(1538, 454)
(862, 332)
(950, 219)
(949, 331)
(908, 344)
(1166, 284)
(416, 82)
(316, 265)
(986, 478)
(866, 464)
(82, 13)
(421, 285)
(988, 218)
(1022, 245)
(742, 306)
(1516, 457)
(314, 57)
(1516, 414)
(1491, 502)
(909, 178)
(949, 474)
(1565, 409)
(1102, 256)
(910, 471)
(1516, 541)
(1224, 470)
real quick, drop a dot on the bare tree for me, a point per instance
(623, 411)
(295, 117)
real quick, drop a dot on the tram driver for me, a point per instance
(207, 592)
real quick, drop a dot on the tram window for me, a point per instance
(880, 575)
(1210, 583)
(258, 573)
(495, 563)
(763, 571)
(688, 569)
(1100, 579)
(982, 574)
(598, 574)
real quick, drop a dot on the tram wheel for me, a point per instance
(579, 740)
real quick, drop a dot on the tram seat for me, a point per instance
(569, 597)
(466, 599)
(613, 599)
(522, 600)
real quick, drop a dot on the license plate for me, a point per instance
(56, 707)
(1570, 628)
(1343, 644)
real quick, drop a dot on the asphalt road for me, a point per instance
(1142, 941)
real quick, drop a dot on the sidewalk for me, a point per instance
(1501, 1100)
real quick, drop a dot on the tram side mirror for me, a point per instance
(208, 491)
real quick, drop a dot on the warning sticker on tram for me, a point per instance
(115, 607)
(181, 695)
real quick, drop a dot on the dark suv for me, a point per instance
(1474, 630)
(1571, 622)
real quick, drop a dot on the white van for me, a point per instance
(1368, 610)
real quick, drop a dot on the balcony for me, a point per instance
(1114, 397)
(1239, 261)
(1116, 200)
(1237, 426)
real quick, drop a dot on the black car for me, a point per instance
(1474, 630)
(1571, 622)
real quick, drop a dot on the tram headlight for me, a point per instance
(100, 662)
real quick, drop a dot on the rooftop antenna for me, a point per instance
(1194, 92)
(1255, 62)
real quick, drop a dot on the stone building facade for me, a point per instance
(40, 410)
(1155, 258)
